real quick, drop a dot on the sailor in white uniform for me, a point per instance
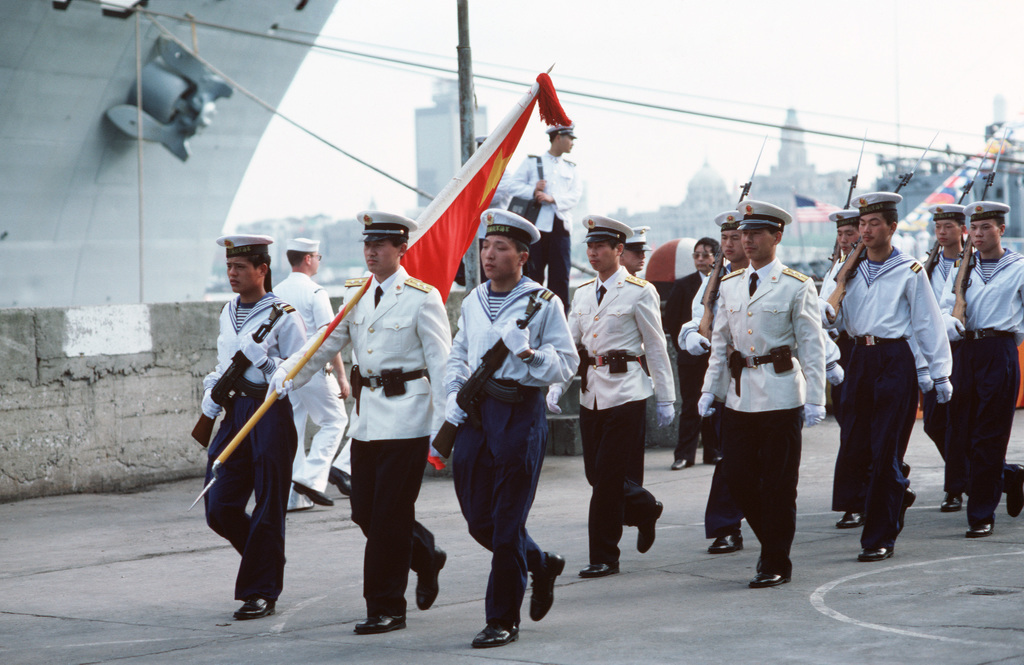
(986, 369)
(322, 399)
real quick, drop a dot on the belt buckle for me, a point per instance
(599, 361)
(750, 362)
(869, 340)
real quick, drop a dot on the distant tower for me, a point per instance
(438, 143)
(792, 154)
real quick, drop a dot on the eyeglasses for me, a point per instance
(319, 257)
(703, 255)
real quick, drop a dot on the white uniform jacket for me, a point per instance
(555, 359)
(408, 330)
(997, 303)
(308, 298)
(782, 312)
(628, 319)
(285, 338)
(939, 276)
(898, 302)
(563, 182)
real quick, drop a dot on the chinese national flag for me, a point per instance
(448, 225)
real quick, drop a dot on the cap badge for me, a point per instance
(367, 220)
(731, 218)
(863, 201)
(590, 223)
(490, 217)
(750, 208)
(978, 208)
(228, 244)
(938, 209)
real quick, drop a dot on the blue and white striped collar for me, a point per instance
(895, 260)
(525, 286)
(1008, 258)
(261, 305)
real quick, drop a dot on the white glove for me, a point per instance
(255, 351)
(453, 413)
(943, 391)
(813, 414)
(210, 408)
(278, 384)
(704, 408)
(925, 383)
(954, 329)
(554, 394)
(666, 413)
(826, 312)
(835, 375)
(517, 340)
(696, 344)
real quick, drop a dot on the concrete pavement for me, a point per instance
(133, 578)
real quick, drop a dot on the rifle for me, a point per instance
(933, 259)
(853, 178)
(472, 391)
(225, 389)
(835, 299)
(960, 285)
(711, 290)
(990, 178)
(905, 178)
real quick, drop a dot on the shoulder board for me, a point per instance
(417, 284)
(569, 163)
(732, 274)
(547, 295)
(956, 264)
(793, 273)
(916, 267)
(356, 281)
(288, 308)
(589, 281)
(636, 280)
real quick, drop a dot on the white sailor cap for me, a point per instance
(728, 220)
(638, 242)
(245, 245)
(762, 215)
(847, 217)
(558, 130)
(605, 228)
(303, 245)
(982, 210)
(952, 211)
(380, 225)
(504, 223)
(877, 202)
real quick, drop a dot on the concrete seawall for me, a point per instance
(104, 398)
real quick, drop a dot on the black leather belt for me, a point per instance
(391, 380)
(871, 340)
(249, 389)
(982, 333)
(378, 381)
(508, 391)
(601, 361)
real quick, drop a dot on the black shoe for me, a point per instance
(905, 469)
(981, 531)
(319, 498)
(600, 570)
(341, 480)
(255, 608)
(426, 581)
(876, 554)
(909, 497)
(495, 635)
(713, 460)
(952, 503)
(762, 580)
(543, 595)
(379, 624)
(682, 464)
(850, 521)
(732, 542)
(645, 531)
(1015, 491)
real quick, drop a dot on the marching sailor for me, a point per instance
(615, 321)
(262, 464)
(986, 367)
(768, 366)
(888, 304)
(400, 336)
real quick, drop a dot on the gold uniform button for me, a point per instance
(595, 334)
(751, 349)
(370, 330)
(369, 350)
(750, 332)
(750, 313)
(396, 326)
(595, 318)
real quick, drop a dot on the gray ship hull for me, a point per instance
(69, 179)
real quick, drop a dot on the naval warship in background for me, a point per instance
(70, 185)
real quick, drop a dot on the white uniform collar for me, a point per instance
(764, 272)
(387, 283)
(616, 276)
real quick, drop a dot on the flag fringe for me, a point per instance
(551, 111)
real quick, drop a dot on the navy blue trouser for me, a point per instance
(496, 470)
(722, 516)
(613, 453)
(552, 252)
(762, 467)
(262, 463)
(386, 477)
(986, 376)
(881, 387)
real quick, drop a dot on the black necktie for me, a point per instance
(600, 293)
(753, 283)
(376, 296)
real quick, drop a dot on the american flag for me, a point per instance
(810, 210)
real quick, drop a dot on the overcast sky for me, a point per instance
(899, 69)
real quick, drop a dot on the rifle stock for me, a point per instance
(842, 277)
(710, 295)
(933, 259)
(203, 430)
(960, 285)
(445, 439)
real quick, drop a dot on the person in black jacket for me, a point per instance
(692, 428)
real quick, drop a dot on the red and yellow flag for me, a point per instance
(448, 226)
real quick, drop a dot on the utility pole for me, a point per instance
(467, 110)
